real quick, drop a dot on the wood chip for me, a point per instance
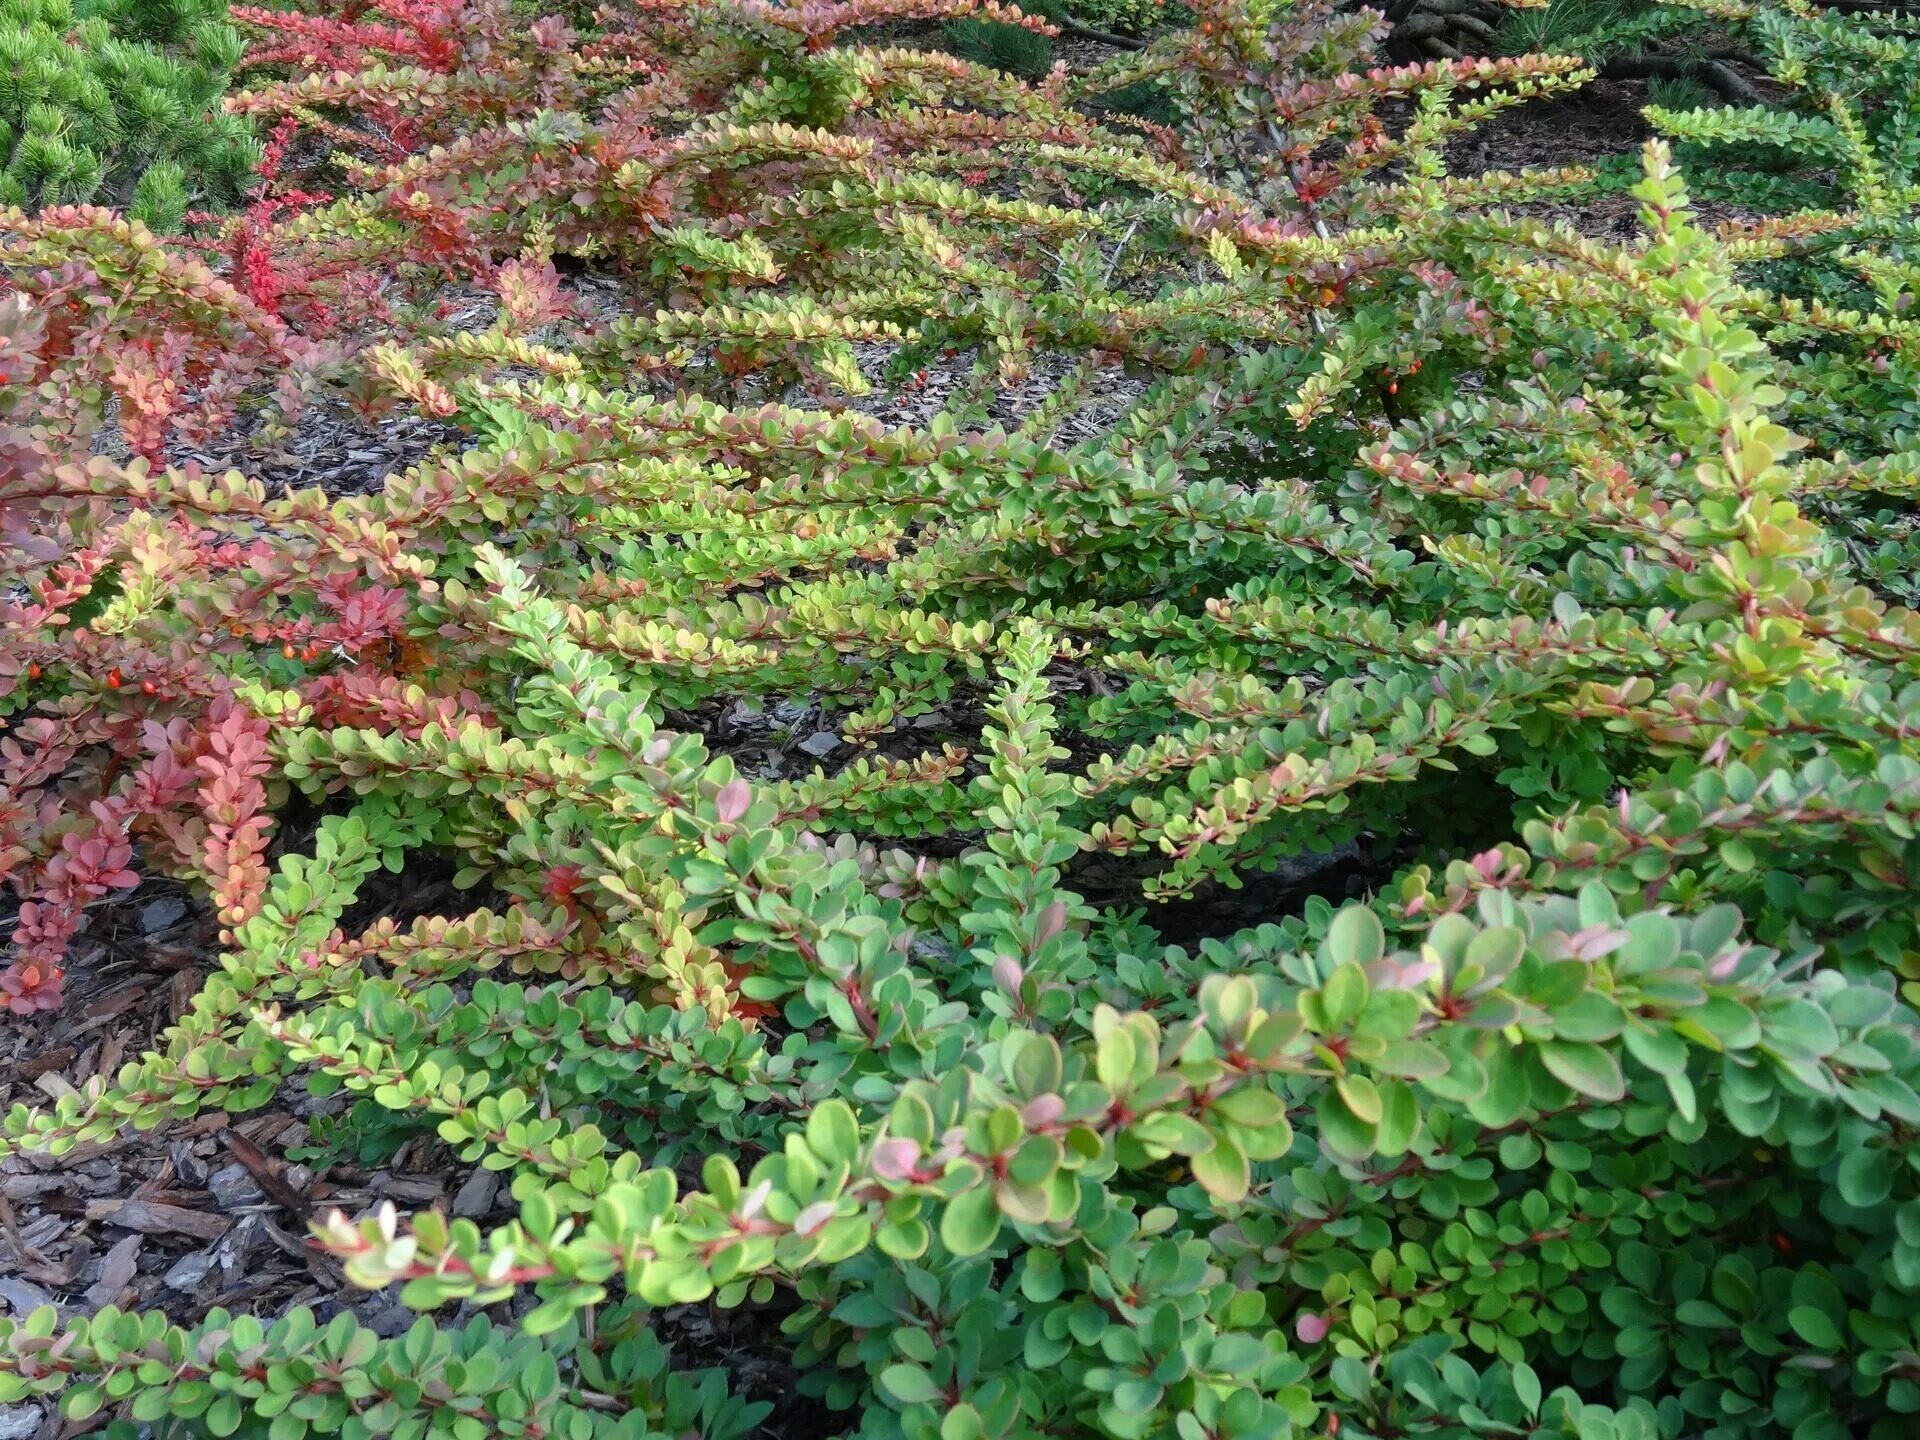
(120, 1001)
(117, 1269)
(22, 1247)
(416, 1192)
(167, 1195)
(21, 1297)
(475, 1198)
(174, 957)
(31, 1187)
(271, 1174)
(40, 1232)
(47, 1060)
(53, 1084)
(266, 1128)
(180, 992)
(112, 1051)
(151, 1219)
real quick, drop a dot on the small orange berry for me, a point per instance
(286, 651)
(33, 671)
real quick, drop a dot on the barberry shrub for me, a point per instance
(120, 104)
(1396, 527)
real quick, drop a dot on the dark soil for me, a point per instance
(1600, 122)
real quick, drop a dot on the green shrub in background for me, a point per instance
(118, 102)
(1022, 52)
(1124, 17)
(1011, 48)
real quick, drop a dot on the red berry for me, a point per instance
(33, 671)
(113, 679)
(147, 687)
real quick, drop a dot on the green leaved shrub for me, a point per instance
(858, 815)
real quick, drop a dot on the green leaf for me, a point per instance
(1235, 1354)
(1526, 1387)
(1584, 1068)
(1519, 1151)
(1344, 996)
(1223, 1171)
(1360, 1097)
(833, 1133)
(1343, 1135)
(1356, 937)
(83, 1402)
(1399, 1118)
(910, 1385)
(1656, 1047)
(1865, 1177)
(546, 1318)
(1813, 1326)
(1507, 1092)
(903, 1239)
(223, 1416)
(970, 1221)
(1113, 1059)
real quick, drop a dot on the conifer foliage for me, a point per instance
(1295, 506)
(119, 102)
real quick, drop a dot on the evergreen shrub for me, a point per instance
(119, 102)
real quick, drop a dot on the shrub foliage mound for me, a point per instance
(1295, 506)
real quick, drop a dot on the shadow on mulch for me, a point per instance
(1597, 123)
